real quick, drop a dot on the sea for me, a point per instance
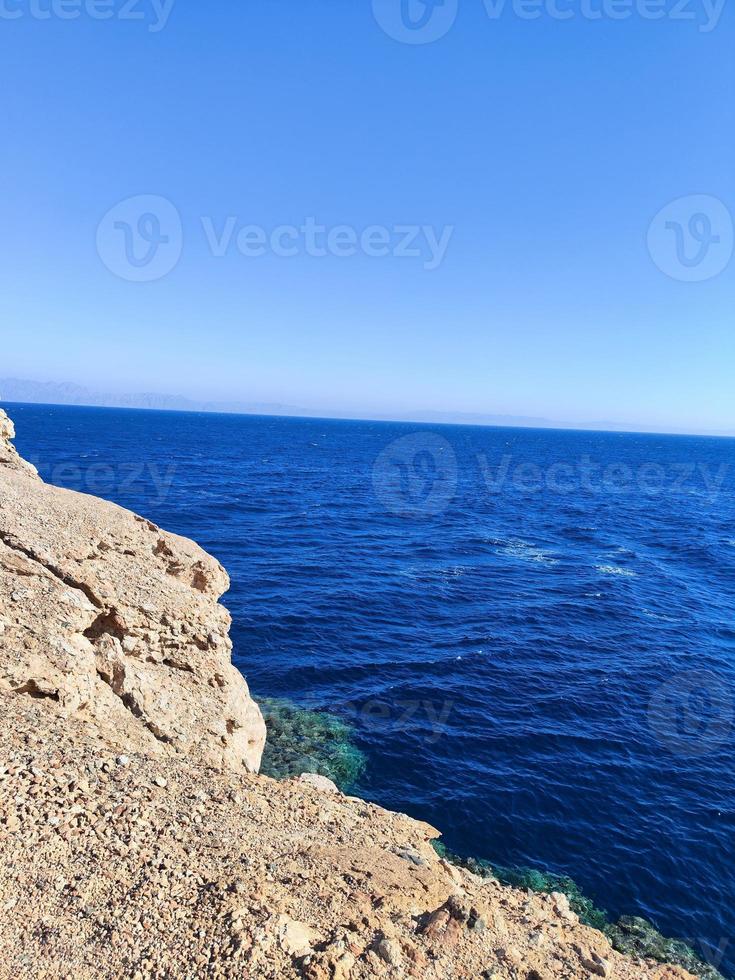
(529, 633)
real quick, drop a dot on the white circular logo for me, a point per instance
(141, 238)
(416, 476)
(692, 714)
(691, 239)
(415, 21)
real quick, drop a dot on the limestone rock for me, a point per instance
(295, 938)
(114, 619)
(318, 782)
(8, 454)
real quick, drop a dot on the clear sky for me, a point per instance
(530, 152)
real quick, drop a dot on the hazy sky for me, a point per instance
(523, 154)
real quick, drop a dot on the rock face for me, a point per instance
(118, 622)
(8, 455)
(135, 839)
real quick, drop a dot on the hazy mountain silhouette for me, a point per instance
(66, 393)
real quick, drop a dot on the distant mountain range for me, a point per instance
(65, 393)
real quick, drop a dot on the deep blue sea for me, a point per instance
(532, 630)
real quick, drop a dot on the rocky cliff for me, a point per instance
(136, 839)
(118, 622)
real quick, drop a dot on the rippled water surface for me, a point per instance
(532, 630)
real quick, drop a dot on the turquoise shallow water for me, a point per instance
(530, 631)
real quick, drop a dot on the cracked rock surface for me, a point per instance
(119, 622)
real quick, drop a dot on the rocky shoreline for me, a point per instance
(137, 839)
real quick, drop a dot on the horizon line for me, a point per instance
(552, 426)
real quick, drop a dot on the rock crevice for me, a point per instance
(14, 545)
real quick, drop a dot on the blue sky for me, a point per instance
(543, 148)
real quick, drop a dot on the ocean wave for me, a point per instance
(524, 551)
(650, 614)
(456, 571)
(615, 570)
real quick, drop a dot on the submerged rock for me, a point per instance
(638, 937)
(301, 740)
